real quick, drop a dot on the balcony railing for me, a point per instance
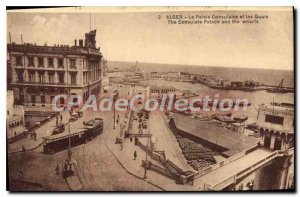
(40, 83)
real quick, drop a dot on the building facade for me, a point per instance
(276, 124)
(39, 73)
(14, 116)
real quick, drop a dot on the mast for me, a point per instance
(281, 84)
(273, 105)
(90, 22)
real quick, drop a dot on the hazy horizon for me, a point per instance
(213, 66)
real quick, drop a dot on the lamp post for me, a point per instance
(145, 172)
(114, 127)
(69, 147)
(114, 99)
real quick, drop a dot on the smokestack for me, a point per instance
(81, 43)
(75, 42)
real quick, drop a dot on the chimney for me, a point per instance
(75, 42)
(81, 43)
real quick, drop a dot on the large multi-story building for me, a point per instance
(39, 73)
(276, 123)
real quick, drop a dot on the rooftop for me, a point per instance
(230, 140)
(88, 48)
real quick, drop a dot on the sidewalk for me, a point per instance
(126, 158)
(166, 141)
(43, 131)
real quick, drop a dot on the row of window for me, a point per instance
(41, 62)
(43, 99)
(41, 77)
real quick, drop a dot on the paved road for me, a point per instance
(99, 170)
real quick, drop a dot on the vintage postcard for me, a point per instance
(150, 99)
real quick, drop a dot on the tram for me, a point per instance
(59, 142)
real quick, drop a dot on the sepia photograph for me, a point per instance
(141, 99)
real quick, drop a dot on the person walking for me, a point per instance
(21, 173)
(135, 155)
(57, 169)
(130, 139)
(121, 145)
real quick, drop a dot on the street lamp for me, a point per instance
(146, 165)
(114, 127)
(69, 147)
(116, 94)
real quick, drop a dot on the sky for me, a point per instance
(141, 36)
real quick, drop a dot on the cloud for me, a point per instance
(42, 28)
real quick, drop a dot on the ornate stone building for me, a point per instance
(38, 73)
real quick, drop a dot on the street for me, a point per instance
(95, 165)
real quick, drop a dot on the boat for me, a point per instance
(224, 118)
(279, 89)
(240, 118)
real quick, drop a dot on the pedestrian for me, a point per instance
(117, 121)
(34, 135)
(65, 167)
(130, 139)
(121, 146)
(23, 149)
(135, 155)
(135, 140)
(21, 174)
(57, 169)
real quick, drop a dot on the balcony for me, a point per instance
(37, 83)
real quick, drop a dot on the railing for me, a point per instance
(27, 82)
(128, 126)
(159, 169)
(15, 120)
(234, 177)
(222, 163)
(31, 129)
(175, 167)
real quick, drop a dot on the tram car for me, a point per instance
(60, 128)
(62, 141)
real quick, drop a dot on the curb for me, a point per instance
(43, 141)
(131, 172)
(31, 149)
